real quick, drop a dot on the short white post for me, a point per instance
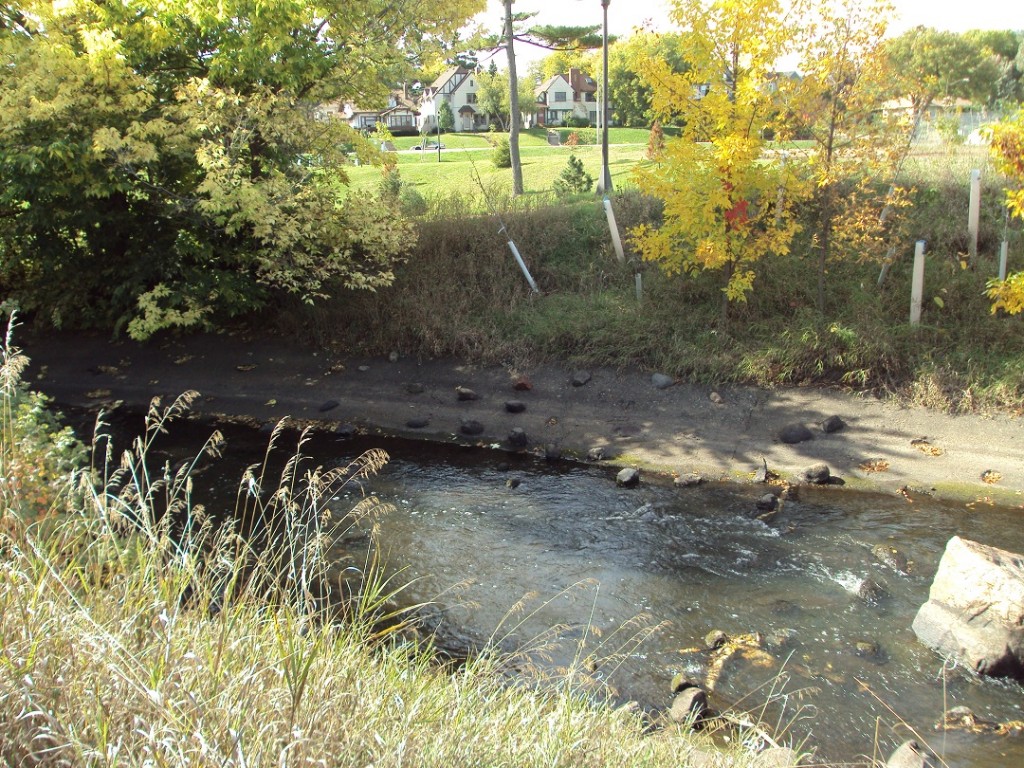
(1002, 260)
(639, 287)
(917, 284)
(973, 214)
(614, 229)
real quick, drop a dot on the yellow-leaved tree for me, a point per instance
(723, 209)
(1008, 149)
(855, 149)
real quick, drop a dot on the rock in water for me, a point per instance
(975, 609)
(817, 474)
(910, 754)
(689, 706)
(628, 478)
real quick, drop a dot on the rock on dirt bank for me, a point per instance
(628, 417)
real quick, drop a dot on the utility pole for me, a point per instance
(604, 186)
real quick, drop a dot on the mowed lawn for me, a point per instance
(467, 162)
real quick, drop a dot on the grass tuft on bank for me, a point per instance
(135, 632)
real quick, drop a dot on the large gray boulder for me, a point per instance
(975, 609)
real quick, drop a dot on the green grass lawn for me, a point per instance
(466, 161)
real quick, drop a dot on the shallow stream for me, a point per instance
(556, 558)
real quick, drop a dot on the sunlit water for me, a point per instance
(562, 561)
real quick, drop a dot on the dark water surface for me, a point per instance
(597, 562)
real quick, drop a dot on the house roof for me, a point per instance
(550, 83)
(447, 75)
(581, 81)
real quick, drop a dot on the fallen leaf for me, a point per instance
(874, 465)
(246, 368)
(926, 448)
(991, 476)
(272, 402)
(98, 393)
(182, 360)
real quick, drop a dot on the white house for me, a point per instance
(457, 86)
(567, 95)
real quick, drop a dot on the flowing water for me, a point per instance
(556, 558)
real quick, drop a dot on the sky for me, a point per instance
(625, 15)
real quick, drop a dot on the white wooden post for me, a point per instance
(616, 240)
(973, 214)
(917, 284)
(1002, 260)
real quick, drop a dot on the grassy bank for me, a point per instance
(961, 357)
(136, 632)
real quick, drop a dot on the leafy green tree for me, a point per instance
(928, 64)
(1005, 51)
(494, 92)
(163, 163)
(722, 211)
(445, 117)
(630, 91)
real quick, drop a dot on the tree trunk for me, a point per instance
(513, 97)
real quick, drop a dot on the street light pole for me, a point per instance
(604, 186)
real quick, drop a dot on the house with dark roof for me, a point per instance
(565, 96)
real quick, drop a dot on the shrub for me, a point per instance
(573, 179)
(502, 155)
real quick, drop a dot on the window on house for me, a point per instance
(560, 96)
(590, 97)
(552, 117)
(593, 116)
(471, 98)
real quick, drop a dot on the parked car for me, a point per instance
(429, 145)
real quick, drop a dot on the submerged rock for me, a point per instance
(515, 406)
(891, 557)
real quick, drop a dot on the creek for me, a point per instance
(556, 559)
